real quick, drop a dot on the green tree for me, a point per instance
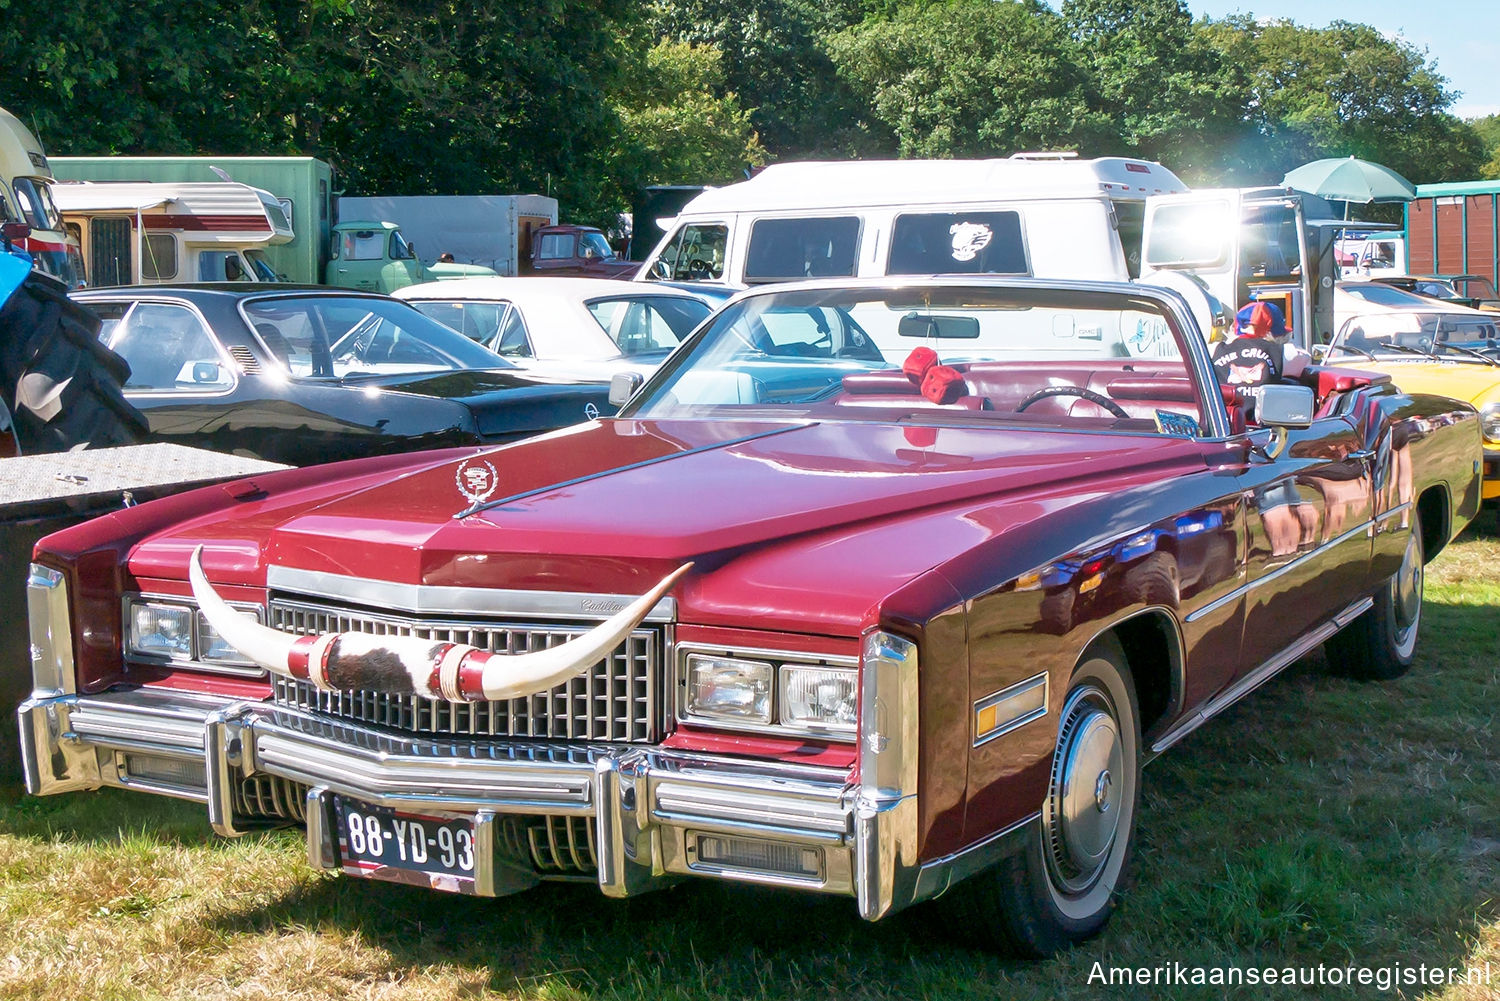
(970, 78)
(775, 63)
(676, 127)
(1156, 80)
(1343, 90)
(1488, 130)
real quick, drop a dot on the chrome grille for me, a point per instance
(617, 700)
(555, 846)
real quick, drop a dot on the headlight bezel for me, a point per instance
(781, 664)
(1488, 413)
(235, 666)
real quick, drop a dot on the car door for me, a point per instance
(1307, 531)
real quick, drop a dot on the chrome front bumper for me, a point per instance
(646, 806)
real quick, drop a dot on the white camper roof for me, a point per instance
(220, 209)
(869, 183)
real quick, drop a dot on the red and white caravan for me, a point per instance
(152, 233)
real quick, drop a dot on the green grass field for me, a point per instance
(1322, 821)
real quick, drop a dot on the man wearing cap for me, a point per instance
(1259, 353)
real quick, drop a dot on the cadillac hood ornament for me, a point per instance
(410, 665)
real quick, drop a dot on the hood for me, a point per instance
(1473, 382)
(804, 521)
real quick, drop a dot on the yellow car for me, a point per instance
(1445, 353)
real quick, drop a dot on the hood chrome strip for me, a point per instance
(727, 443)
(432, 599)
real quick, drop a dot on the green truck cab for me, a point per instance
(374, 256)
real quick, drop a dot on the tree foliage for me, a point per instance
(586, 99)
(969, 78)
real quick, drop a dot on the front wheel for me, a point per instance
(1382, 643)
(1061, 889)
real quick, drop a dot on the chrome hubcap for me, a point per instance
(1408, 587)
(1084, 801)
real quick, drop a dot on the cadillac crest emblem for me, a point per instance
(476, 479)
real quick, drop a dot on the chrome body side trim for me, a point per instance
(939, 875)
(1265, 672)
(432, 599)
(1364, 528)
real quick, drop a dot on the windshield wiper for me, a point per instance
(1352, 349)
(1470, 352)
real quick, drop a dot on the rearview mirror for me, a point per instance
(939, 326)
(623, 386)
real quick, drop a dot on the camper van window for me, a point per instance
(970, 243)
(159, 261)
(791, 249)
(219, 266)
(36, 204)
(1193, 235)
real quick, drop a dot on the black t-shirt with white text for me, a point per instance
(1248, 361)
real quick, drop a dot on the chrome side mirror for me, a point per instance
(1285, 406)
(623, 386)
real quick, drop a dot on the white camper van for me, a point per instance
(1046, 215)
(152, 233)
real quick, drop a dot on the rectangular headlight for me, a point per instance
(160, 629)
(819, 698)
(213, 650)
(167, 630)
(729, 690)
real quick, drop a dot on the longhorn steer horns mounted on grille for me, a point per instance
(407, 664)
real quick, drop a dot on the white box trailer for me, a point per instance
(493, 231)
(158, 232)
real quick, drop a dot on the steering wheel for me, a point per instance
(699, 268)
(1096, 399)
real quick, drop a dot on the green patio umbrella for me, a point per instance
(1347, 179)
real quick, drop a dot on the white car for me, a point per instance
(577, 328)
(1382, 310)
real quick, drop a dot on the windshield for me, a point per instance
(1409, 334)
(262, 267)
(36, 204)
(1061, 357)
(590, 241)
(331, 336)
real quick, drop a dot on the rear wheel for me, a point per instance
(1061, 889)
(1382, 643)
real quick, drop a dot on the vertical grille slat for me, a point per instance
(614, 701)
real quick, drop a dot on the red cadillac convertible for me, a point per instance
(883, 590)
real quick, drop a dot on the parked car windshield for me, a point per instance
(866, 353)
(1415, 333)
(331, 336)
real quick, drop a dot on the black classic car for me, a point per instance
(304, 374)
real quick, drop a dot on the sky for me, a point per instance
(1462, 36)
